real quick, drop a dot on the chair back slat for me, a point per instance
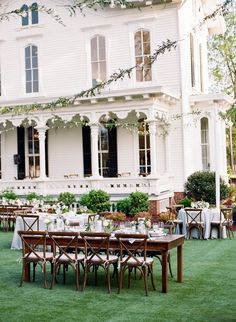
(94, 244)
(30, 222)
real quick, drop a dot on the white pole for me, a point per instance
(217, 156)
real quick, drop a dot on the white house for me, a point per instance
(163, 124)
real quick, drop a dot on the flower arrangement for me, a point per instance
(143, 214)
(200, 204)
(166, 216)
(116, 216)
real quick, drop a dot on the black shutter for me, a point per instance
(46, 153)
(112, 139)
(87, 150)
(21, 153)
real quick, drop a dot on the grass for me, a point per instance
(208, 291)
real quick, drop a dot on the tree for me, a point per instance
(222, 59)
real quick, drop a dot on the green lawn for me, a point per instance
(208, 291)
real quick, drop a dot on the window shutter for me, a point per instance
(112, 139)
(21, 153)
(87, 150)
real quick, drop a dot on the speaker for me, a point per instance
(16, 158)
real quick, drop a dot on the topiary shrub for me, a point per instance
(201, 186)
(96, 200)
(136, 202)
(66, 198)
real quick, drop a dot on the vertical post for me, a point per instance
(42, 160)
(230, 123)
(94, 149)
(153, 146)
(217, 156)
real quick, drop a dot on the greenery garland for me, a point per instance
(62, 102)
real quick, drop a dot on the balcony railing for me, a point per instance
(114, 186)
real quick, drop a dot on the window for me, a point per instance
(31, 69)
(98, 59)
(142, 55)
(33, 153)
(103, 152)
(205, 144)
(29, 14)
(144, 148)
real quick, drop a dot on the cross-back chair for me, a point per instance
(130, 259)
(194, 220)
(66, 252)
(96, 249)
(34, 250)
(226, 219)
(30, 221)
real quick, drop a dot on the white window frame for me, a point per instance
(145, 167)
(98, 60)
(31, 69)
(103, 170)
(33, 172)
(29, 15)
(205, 144)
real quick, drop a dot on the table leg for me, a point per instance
(179, 264)
(164, 271)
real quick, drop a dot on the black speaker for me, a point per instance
(16, 158)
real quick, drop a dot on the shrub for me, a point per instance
(186, 202)
(201, 186)
(9, 194)
(136, 202)
(124, 205)
(96, 200)
(66, 198)
(33, 196)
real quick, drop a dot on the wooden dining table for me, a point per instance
(162, 244)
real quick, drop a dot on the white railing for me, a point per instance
(79, 186)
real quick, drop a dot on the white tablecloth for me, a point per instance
(208, 215)
(16, 241)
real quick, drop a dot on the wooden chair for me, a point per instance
(96, 248)
(34, 250)
(129, 258)
(30, 222)
(194, 220)
(226, 219)
(66, 254)
(7, 218)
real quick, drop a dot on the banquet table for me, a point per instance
(208, 216)
(162, 244)
(19, 225)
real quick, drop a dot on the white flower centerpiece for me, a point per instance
(200, 204)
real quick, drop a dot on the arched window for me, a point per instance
(144, 148)
(30, 14)
(142, 55)
(25, 15)
(98, 59)
(205, 144)
(31, 69)
(34, 14)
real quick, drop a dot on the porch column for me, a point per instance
(42, 157)
(94, 150)
(153, 146)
